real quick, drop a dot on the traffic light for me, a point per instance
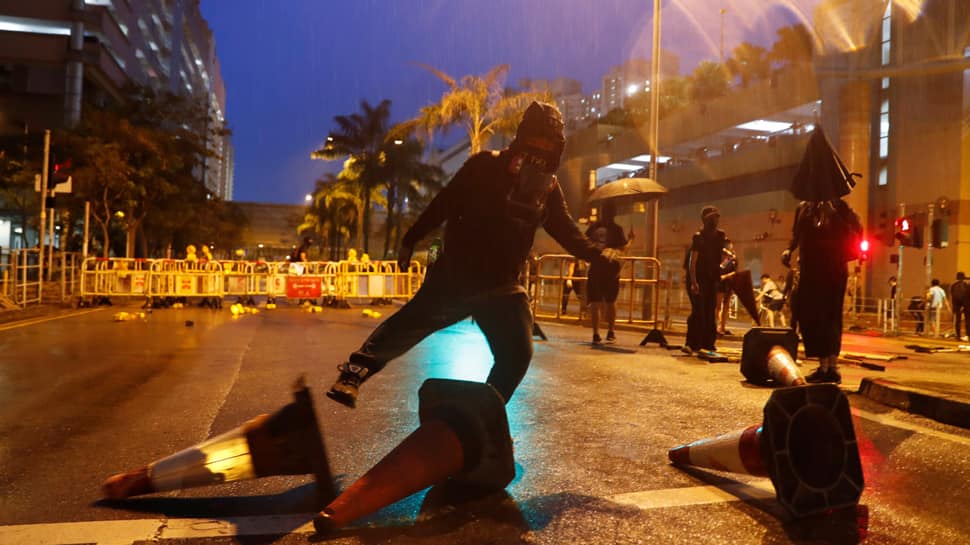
(939, 233)
(864, 250)
(904, 231)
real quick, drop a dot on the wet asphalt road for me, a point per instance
(85, 397)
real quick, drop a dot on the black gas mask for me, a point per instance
(540, 137)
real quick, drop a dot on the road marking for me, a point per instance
(125, 532)
(41, 320)
(696, 495)
(887, 420)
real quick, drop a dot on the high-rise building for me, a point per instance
(56, 55)
(630, 78)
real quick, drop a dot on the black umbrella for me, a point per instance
(628, 189)
(821, 176)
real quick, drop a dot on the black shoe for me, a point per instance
(819, 376)
(610, 336)
(344, 391)
(596, 338)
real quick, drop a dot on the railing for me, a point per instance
(638, 301)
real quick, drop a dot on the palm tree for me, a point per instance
(794, 45)
(478, 103)
(333, 213)
(361, 138)
(408, 182)
(749, 62)
(709, 81)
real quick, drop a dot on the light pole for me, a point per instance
(722, 12)
(655, 117)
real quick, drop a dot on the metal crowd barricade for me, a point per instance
(25, 276)
(239, 279)
(638, 301)
(378, 280)
(178, 278)
(114, 277)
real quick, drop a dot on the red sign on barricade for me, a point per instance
(304, 287)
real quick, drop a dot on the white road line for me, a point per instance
(125, 532)
(696, 495)
(41, 320)
(887, 420)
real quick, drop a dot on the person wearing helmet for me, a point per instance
(491, 209)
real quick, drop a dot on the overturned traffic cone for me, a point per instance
(287, 442)
(463, 436)
(806, 445)
(767, 356)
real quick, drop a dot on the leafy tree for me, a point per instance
(17, 190)
(749, 63)
(793, 46)
(709, 81)
(333, 214)
(362, 138)
(408, 182)
(479, 104)
(674, 94)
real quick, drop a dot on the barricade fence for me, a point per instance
(553, 283)
(22, 282)
(329, 281)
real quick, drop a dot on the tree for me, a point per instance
(17, 191)
(333, 213)
(478, 103)
(409, 181)
(674, 94)
(709, 81)
(749, 63)
(793, 46)
(362, 139)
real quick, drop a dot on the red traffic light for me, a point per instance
(902, 225)
(864, 246)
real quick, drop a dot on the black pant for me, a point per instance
(702, 322)
(961, 310)
(505, 320)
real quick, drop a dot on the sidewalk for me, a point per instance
(934, 383)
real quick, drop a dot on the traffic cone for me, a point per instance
(463, 436)
(287, 442)
(806, 445)
(767, 355)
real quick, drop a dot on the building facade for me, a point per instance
(56, 55)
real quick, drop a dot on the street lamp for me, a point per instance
(308, 197)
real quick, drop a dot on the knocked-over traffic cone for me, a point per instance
(463, 436)
(806, 445)
(767, 354)
(287, 442)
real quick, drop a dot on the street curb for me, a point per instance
(939, 407)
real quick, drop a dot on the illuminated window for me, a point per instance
(887, 27)
(883, 175)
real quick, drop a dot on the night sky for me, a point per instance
(290, 66)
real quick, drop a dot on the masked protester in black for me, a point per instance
(492, 208)
(826, 236)
(704, 277)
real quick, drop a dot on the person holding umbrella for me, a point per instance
(825, 233)
(603, 278)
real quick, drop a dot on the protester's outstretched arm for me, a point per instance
(561, 226)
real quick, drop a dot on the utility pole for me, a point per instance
(928, 236)
(655, 119)
(899, 276)
(722, 12)
(43, 213)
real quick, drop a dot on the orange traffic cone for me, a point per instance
(767, 355)
(287, 442)
(806, 445)
(463, 436)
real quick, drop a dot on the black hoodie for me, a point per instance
(487, 239)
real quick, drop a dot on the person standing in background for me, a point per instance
(936, 301)
(960, 298)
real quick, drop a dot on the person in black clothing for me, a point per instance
(960, 297)
(603, 278)
(704, 277)
(492, 208)
(825, 233)
(575, 271)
